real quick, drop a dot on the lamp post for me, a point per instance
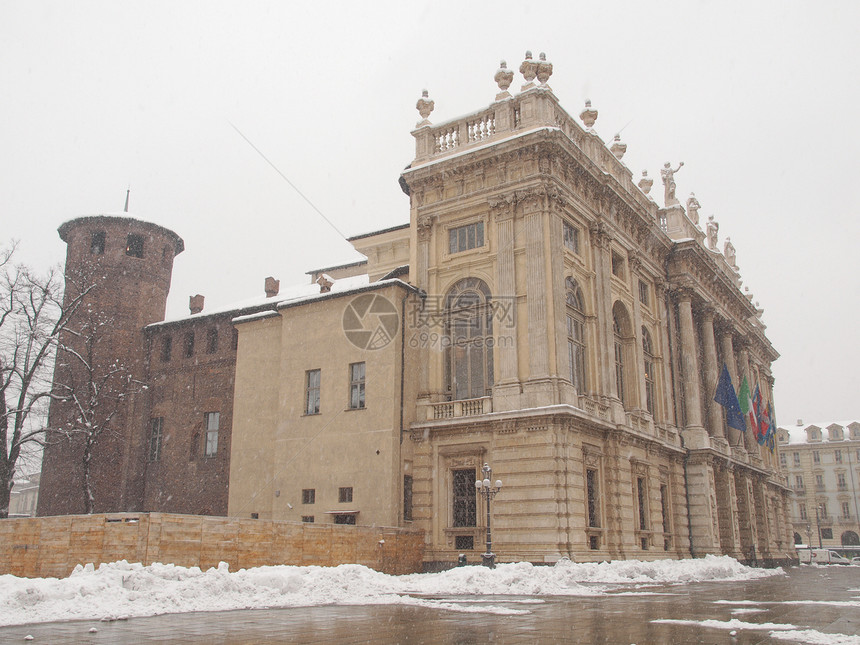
(484, 488)
(818, 523)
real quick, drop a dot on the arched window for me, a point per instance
(469, 334)
(575, 334)
(648, 354)
(623, 336)
(850, 538)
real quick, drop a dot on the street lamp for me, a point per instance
(483, 487)
(818, 523)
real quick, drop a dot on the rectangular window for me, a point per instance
(816, 457)
(846, 510)
(798, 482)
(97, 243)
(166, 348)
(312, 391)
(643, 505)
(571, 237)
(576, 352)
(664, 508)
(407, 497)
(308, 519)
(309, 495)
(782, 460)
(823, 507)
(356, 386)
(466, 237)
(344, 518)
(211, 340)
(802, 508)
(837, 456)
(643, 292)
(189, 344)
(617, 265)
(592, 499)
(819, 481)
(826, 534)
(464, 542)
(841, 482)
(796, 458)
(213, 419)
(156, 425)
(464, 497)
(134, 246)
(344, 494)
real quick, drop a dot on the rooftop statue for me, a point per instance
(645, 183)
(425, 107)
(528, 69)
(668, 176)
(618, 147)
(588, 115)
(544, 69)
(503, 77)
(693, 207)
(711, 232)
(729, 252)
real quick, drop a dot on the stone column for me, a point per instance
(728, 351)
(638, 352)
(534, 213)
(600, 242)
(507, 389)
(424, 230)
(712, 371)
(694, 433)
(666, 393)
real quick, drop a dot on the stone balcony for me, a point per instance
(432, 411)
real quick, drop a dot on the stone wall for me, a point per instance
(53, 546)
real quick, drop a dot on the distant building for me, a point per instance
(822, 464)
(24, 497)
(538, 312)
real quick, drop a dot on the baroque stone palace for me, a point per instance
(539, 312)
(821, 462)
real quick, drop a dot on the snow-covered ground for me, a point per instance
(121, 589)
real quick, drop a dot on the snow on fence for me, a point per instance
(52, 546)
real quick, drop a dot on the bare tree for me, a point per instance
(32, 317)
(91, 386)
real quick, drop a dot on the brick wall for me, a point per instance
(52, 546)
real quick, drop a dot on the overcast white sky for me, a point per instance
(758, 98)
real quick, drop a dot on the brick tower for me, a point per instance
(126, 264)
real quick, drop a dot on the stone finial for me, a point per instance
(504, 77)
(588, 115)
(528, 69)
(424, 106)
(693, 208)
(748, 293)
(645, 183)
(195, 304)
(544, 69)
(618, 147)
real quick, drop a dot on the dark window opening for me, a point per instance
(309, 495)
(407, 497)
(213, 421)
(594, 542)
(592, 499)
(356, 386)
(211, 341)
(464, 542)
(344, 495)
(189, 344)
(134, 246)
(466, 237)
(826, 534)
(155, 438)
(344, 518)
(464, 497)
(312, 392)
(255, 516)
(97, 243)
(308, 519)
(640, 494)
(166, 348)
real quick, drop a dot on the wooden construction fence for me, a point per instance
(53, 546)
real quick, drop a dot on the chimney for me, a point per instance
(195, 304)
(800, 422)
(325, 281)
(272, 287)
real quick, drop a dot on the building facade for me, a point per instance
(539, 313)
(821, 462)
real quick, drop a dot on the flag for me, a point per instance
(764, 424)
(726, 397)
(746, 403)
(758, 429)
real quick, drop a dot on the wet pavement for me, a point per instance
(625, 616)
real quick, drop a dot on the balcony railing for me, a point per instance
(461, 408)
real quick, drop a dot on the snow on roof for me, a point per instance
(797, 433)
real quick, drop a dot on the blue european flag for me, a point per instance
(728, 398)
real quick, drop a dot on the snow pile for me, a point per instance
(121, 589)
